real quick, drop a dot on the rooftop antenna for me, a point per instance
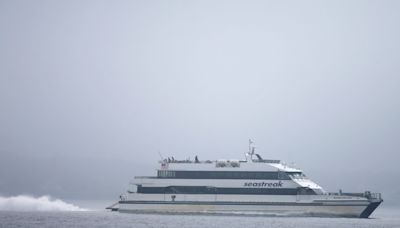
(159, 153)
(251, 150)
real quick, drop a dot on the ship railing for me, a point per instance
(145, 177)
(376, 196)
(266, 161)
(209, 161)
(367, 194)
(186, 161)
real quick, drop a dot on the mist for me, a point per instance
(92, 91)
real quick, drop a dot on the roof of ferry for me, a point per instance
(251, 165)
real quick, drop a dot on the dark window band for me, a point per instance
(223, 175)
(212, 190)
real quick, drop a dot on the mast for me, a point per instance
(250, 153)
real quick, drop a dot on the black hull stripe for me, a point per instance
(371, 208)
(239, 203)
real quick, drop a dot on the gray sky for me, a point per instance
(91, 90)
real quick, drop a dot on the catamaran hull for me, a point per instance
(252, 208)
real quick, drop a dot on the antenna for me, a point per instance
(159, 153)
(250, 142)
(251, 150)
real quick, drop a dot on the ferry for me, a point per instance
(254, 186)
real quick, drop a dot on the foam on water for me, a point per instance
(29, 203)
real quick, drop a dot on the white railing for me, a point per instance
(367, 194)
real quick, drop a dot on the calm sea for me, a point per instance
(381, 218)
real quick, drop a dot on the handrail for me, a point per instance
(367, 194)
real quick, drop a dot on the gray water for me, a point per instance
(381, 218)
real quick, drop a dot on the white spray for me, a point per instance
(29, 203)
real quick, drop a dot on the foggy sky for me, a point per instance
(90, 91)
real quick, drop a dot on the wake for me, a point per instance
(29, 203)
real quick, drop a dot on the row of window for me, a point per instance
(166, 173)
(223, 175)
(213, 190)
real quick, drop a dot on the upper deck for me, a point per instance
(261, 165)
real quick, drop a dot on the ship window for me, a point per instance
(165, 173)
(283, 176)
(214, 190)
(297, 176)
(227, 175)
(133, 188)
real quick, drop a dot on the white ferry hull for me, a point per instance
(276, 209)
(276, 205)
